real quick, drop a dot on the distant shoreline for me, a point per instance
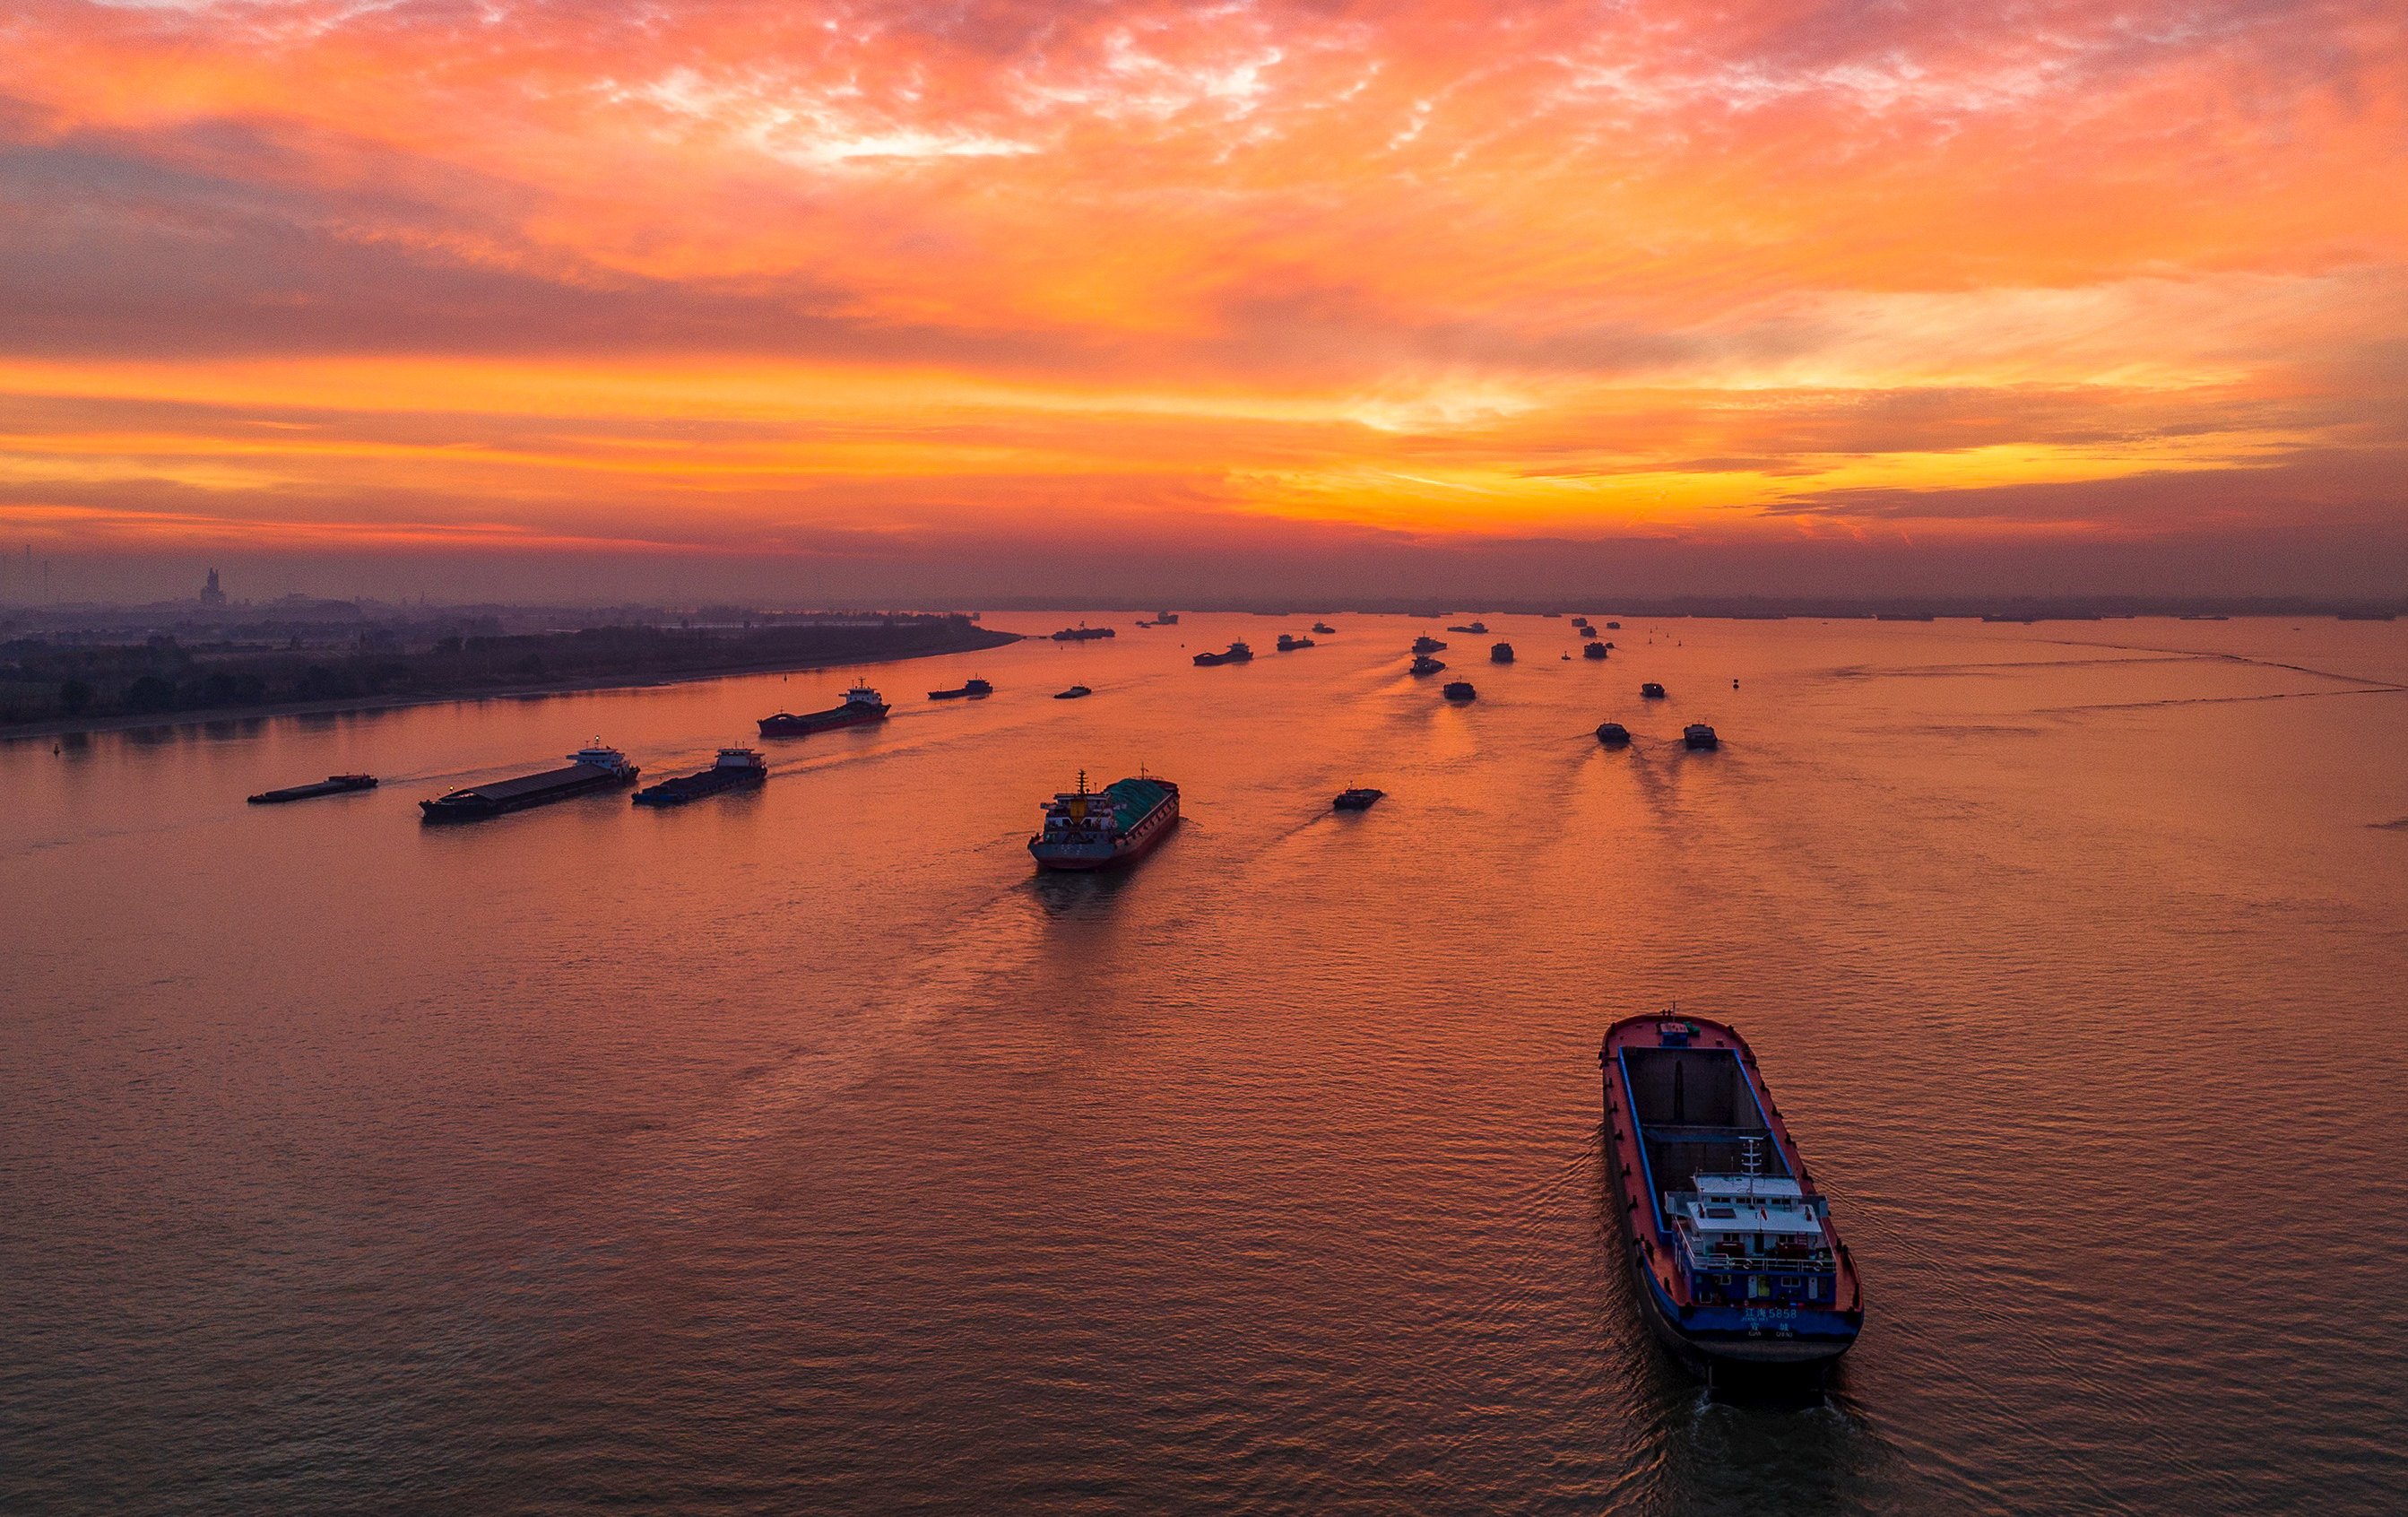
(976, 641)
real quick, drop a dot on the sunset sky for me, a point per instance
(1002, 296)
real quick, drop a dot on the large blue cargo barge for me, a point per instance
(1733, 1256)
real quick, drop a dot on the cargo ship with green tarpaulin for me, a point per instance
(1095, 829)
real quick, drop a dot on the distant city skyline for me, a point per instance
(942, 303)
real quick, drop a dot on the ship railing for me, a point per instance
(1704, 1262)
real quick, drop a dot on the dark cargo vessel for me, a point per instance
(334, 784)
(590, 768)
(861, 703)
(736, 769)
(1734, 1259)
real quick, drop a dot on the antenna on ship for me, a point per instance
(1751, 1161)
(1082, 781)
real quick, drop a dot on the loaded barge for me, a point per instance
(334, 784)
(861, 703)
(734, 769)
(1086, 829)
(1734, 1259)
(589, 769)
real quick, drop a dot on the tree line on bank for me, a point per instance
(45, 681)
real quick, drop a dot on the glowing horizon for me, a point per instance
(761, 282)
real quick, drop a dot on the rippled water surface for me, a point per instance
(803, 1151)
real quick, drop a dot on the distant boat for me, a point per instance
(1359, 799)
(1083, 633)
(1426, 644)
(1324, 629)
(1074, 692)
(1501, 654)
(1652, 690)
(1425, 665)
(1166, 618)
(1459, 690)
(592, 767)
(1238, 653)
(1289, 642)
(1475, 628)
(1579, 621)
(735, 769)
(1613, 626)
(1612, 734)
(1592, 650)
(861, 703)
(1588, 631)
(971, 689)
(334, 784)
(1697, 735)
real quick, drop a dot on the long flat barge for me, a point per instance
(861, 703)
(334, 784)
(589, 769)
(1733, 1256)
(736, 769)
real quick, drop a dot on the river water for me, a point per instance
(803, 1151)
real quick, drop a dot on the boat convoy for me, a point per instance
(1082, 830)
(1736, 1262)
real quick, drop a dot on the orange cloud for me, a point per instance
(754, 274)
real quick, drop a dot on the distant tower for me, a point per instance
(210, 594)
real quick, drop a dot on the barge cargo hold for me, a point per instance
(1733, 1257)
(861, 703)
(1088, 829)
(334, 784)
(589, 769)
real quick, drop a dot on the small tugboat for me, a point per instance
(1361, 798)
(861, 703)
(1238, 653)
(1425, 665)
(1593, 649)
(334, 784)
(1699, 735)
(1074, 692)
(1086, 829)
(1289, 642)
(968, 689)
(1579, 621)
(1614, 734)
(1475, 628)
(1323, 629)
(1459, 691)
(1588, 631)
(1501, 653)
(592, 767)
(1613, 626)
(734, 769)
(1736, 1261)
(1083, 633)
(1652, 690)
(1427, 644)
